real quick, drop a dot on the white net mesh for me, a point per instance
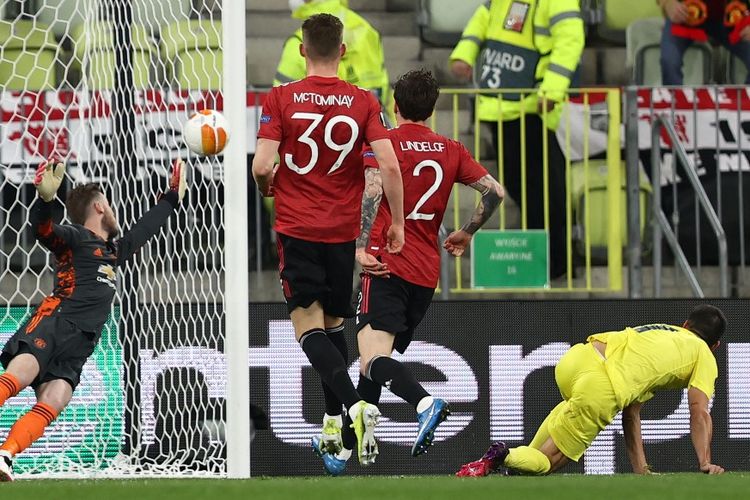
(107, 87)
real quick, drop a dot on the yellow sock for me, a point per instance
(527, 460)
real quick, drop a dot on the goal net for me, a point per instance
(106, 85)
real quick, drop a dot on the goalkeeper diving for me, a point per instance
(48, 352)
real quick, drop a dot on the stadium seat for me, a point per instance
(28, 52)
(598, 203)
(94, 53)
(644, 51)
(736, 70)
(192, 52)
(617, 15)
(441, 23)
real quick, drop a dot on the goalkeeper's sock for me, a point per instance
(527, 460)
(329, 364)
(29, 428)
(336, 336)
(397, 378)
(9, 387)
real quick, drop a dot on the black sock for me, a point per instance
(336, 336)
(329, 364)
(370, 392)
(397, 378)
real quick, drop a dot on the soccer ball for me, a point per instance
(206, 132)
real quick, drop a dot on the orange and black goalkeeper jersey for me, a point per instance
(86, 265)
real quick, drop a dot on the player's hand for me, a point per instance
(456, 242)
(712, 469)
(177, 182)
(676, 11)
(268, 191)
(49, 176)
(461, 70)
(370, 264)
(395, 238)
(745, 33)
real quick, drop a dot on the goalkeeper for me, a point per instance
(48, 352)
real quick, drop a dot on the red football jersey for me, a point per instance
(322, 124)
(430, 165)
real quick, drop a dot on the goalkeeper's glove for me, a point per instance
(49, 176)
(177, 182)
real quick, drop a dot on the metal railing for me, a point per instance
(660, 224)
(705, 135)
(614, 178)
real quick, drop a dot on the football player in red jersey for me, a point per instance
(397, 289)
(318, 127)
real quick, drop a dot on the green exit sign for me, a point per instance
(510, 259)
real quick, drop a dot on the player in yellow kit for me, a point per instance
(619, 371)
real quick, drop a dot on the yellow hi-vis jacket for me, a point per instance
(522, 44)
(363, 64)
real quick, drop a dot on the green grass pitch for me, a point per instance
(562, 487)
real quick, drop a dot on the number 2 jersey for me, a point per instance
(322, 124)
(430, 165)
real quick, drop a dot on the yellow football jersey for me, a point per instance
(643, 359)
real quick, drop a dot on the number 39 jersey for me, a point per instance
(430, 165)
(322, 124)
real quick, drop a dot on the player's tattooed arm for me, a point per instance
(371, 198)
(370, 203)
(492, 195)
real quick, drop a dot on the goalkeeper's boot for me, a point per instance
(364, 428)
(331, 436)
(428, 422)
(489, 463)
(6, 467)
(331, 463)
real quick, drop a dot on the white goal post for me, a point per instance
(106, 85)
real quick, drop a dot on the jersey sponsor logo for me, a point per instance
(422, 147)
(324, 100)
(98, 252)
(265, 118)
(109, 277)
(516, 17)
(368, 154)
(40, 343)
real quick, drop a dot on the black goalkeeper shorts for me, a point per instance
(392, 305)
(311, 271)
(60, 348)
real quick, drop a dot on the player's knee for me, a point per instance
(372, 344)
(25, 368)
(56, 394)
